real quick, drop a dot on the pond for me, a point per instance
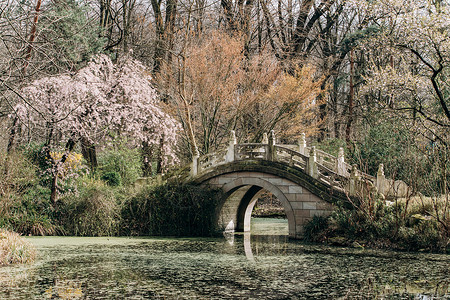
(257, 266)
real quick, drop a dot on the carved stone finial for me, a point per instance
(354, 173)
(233, 137)
(380, 170)
(381, 180)
(312, 164)
(312, 151)
(265, 139)
(230, 152)
(353, 182)
(302, 144)
(340, 163)
(303, 138)
(195, 157)
(272, 137)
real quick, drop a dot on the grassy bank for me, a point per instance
(105, 202)
(414, 224)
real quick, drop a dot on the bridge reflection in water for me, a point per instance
(265, 233)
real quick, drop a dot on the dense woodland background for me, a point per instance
(135, 86)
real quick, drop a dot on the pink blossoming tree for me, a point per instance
(101, 100)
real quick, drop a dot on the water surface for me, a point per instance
(239, 266)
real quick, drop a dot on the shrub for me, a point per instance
(394, 226)
(90, 211)
(14, 249)
(123, 161)
(34, 213)
(32, 224)
(171, 209)
(17, 175)
(314, 230)
(112, 178)
(35, 153)
(391, 144)
(24, 204)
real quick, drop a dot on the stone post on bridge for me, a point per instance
(271, 155)
(231, 146)
(302, 144)
(381, 178)
(353, 181)
(312, 163)
(264, 148)
(265, 139)
(194, 166)
(340, 163)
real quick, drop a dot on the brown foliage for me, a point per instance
(224, 90)
(294, 102)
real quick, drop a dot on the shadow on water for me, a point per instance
(256, 266)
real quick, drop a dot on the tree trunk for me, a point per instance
(89, 154)
(159, 163)
(322, 114)
(147, 155)
(55, 170)
(350, 101)
(32, 37)
(12, 135)
(164, 33)
(246, 27)
(227, 6)
(171, 12)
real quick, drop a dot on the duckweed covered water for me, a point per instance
(239, 266)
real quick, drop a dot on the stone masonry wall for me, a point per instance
(300, 204)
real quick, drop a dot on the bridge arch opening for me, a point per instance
(241, 197)
(266, 215)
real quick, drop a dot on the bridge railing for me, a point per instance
(329, 169)
(331, 178)
(211, 160)
(291, 157)
(251, 151)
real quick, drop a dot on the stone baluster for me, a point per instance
(272, 139)
(195, 157)
(340, 163)
(381, 179)
(319, 158)
(264, 148)
(312, 163)
(230, 152)
(353, 182)
(265, 139)
(271, 154)
(302, 144)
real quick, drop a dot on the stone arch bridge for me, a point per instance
(307, 181)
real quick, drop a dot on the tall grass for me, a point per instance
(15, 249)
(17, 175)
(92, 210)
(24, 203)
(171, 209)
